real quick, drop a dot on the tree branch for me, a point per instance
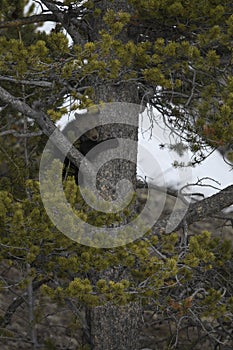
(210, 205)
(46, 125)
(17, 134)
(198, 211)
(67, 24)
(27, 82)
(6, 319)
(28, 20)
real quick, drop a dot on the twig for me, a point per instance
(27, 82)
(28, 20)
(17, 134)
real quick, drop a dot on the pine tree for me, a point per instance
(175, 56)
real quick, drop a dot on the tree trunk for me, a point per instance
(114, 327)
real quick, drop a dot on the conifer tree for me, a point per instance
(175, 56)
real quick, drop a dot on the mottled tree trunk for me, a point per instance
(111, 326)
(114, 327)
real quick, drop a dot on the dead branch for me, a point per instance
(28, 20)
(17, 134)
(47, 126)
(6, 319)
(39, 83)
(68, 25)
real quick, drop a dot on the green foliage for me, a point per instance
(27, 226)
(14, 51)
(182, 52)
(29, 237)
(116, 21)
(185, 56)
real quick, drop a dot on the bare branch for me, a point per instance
(27, 82)
(6, 319)
(198, 211)
(210, 205)
(68, 25)
(17, 134)
(28, 20)
(46, 125)
(170, 191)
(200, 184)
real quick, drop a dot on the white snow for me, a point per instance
(215, 171)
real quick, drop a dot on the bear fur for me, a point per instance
(88, 140)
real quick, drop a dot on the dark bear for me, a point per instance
(88, 140)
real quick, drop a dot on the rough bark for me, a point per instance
(205, 208)
(115, 328)
(112, 326)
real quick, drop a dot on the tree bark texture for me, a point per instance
(115, 327)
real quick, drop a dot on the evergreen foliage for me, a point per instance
(179, 55)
